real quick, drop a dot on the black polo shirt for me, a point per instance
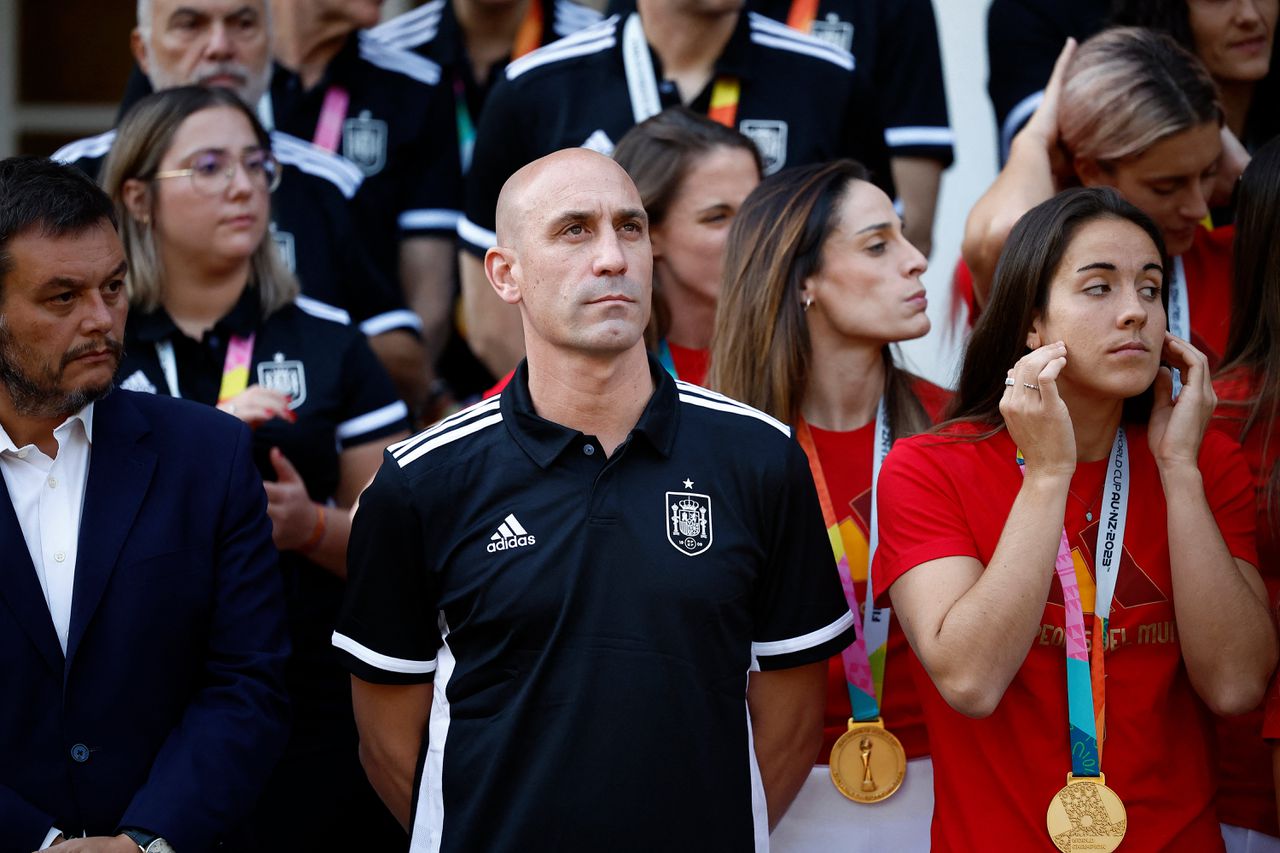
(589, 623)
(1024, 38)
(311, 224)
(432, 31)
(399, 129)
(896, 43)
(801, 102)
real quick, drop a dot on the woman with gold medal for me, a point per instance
(819, 283)
(1072, 556)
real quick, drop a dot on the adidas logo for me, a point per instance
(510, 535)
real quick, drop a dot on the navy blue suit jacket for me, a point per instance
(168, 710)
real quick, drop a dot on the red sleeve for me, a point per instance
(1271, 720)
(919, 513)
(1228, 487)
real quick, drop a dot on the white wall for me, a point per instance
(962, 29)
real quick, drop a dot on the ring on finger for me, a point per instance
(1008, 381)
(1032, 387)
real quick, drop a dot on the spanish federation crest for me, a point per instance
(287, 377)
(287, 247)
(770, 138)
(689, 521)
(834, 31)
(364, 142)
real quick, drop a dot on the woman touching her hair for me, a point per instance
(1072, 556)
(820, 283)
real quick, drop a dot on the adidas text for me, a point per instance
(511, 542)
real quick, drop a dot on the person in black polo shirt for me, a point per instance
(387, 110)
(227, 43)
(602, 602)
(797, 97)
(215, 320)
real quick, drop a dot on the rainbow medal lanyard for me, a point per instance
(1086, 814)
(868, 762)
(235, 367)
(642, 80)
(1179, 313)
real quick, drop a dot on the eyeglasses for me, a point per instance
(212, 171)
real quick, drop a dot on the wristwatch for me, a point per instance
(147, 842)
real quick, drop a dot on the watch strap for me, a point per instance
(140, 837)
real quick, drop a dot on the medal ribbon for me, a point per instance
(466, 127)
(864, 660)
(529, 36)
(666, 360)
(1086, 668)
(802, 14)
(235, 367)
(332, 112)
(642, 80)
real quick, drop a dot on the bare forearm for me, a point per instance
(391, 721)
(786, 730)
(494, 332)
(405, 360)
(917, 180)
(984, 637)
(1224, 627)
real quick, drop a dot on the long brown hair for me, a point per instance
(1255, 302)
(761, 353)
(1020, 293)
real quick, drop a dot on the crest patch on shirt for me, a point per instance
(689, 521)
(770, 138)
(287, 377)
(286, 246)
(364, 142)
(834, 31)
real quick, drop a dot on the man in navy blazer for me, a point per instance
(142, 639)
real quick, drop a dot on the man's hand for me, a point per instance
(97, 844)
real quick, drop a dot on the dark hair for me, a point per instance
(1020, 292)
(1255, 301)
(1169, 16)
(760, 353)
(55, 198)
(658, 154)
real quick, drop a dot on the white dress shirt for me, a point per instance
(47, 496)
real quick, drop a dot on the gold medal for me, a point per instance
(868, 763)
(1086, 815)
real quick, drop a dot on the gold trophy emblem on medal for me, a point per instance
(868, 763)
(1086, 815)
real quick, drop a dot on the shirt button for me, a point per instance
(80, 753)
(53, 482)
(589, 449)
(60, 556)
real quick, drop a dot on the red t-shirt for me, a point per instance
(1246, 782)
(691, 364)
(847, 464)
(1208, 267)
(994, 777)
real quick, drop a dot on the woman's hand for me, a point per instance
(1177, 426)
(1042, 128)
(256, 405)
(292, 512)
(1037, 419)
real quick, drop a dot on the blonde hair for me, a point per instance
(1127, 89)
(143, 138)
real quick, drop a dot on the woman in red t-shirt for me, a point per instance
(997, 561)
(1130, 109)
(819, 283)
(1248, 389)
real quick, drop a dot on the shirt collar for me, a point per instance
(84, 416)
(733, 61)
(545, 440)
(244, 317)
